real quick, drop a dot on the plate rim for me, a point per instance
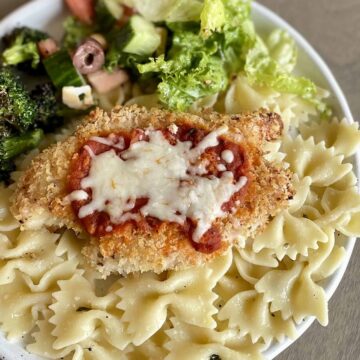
(330, 288)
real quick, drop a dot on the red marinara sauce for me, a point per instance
(99, 224)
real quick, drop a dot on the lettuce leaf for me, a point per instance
(202, 58)
(192, 72)
(262, 69)
(167, 10)
(212, 17)
(282, 49)
(219, 43)
(270, 64)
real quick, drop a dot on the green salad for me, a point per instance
(184, 52)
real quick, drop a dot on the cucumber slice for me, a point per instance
(107, 13)
(115, 8)
(139, 37)
(61, 70)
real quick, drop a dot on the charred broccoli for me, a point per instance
(12, 146)
(5, 129)
(48, 114)
(24, 33)
(16, 106)
(21, 47)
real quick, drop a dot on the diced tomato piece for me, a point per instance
(84, 10)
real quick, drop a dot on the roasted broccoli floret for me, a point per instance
(12, 146)
(51, 113)
(16, 106)
(5, 129)
(21, 47)
(26, 33)
(48, 114)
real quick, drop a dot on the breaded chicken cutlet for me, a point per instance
(156, 190)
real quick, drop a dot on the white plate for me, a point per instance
(48, 15)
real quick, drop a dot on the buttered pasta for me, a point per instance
(235, 306)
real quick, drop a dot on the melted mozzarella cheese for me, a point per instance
(111, 140)
(164, 174)
(227, 156)
(77, 195)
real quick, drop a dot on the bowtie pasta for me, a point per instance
(232, 308)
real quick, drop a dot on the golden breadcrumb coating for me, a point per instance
(39, 198)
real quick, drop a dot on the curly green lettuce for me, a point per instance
(212, 17)
(167, 10)
(207, 52)
(197, 66)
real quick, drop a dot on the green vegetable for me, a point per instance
(193, 70)
(5, 129)
(22, 53)
(75, 32)
(64, 111)
(48, 116)
(178, 27)
(116, 59)
(12, 146)
(61, 70)
(238, 34)
(115, 8)
(271, 67)
(282, 49)
(103, 16)
(262, 69)
(212, 17)
(16, 107)
(23, 34)
(21, 47)
(200, 66)
(168, 10)
(107, 13)
(138, 37)
(132, 44)
(201, 61)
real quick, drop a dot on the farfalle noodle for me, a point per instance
(94, 347)
(294, 294)
(192, 342)
(20, 307)
(242, 97)
(78, 311)
(289, 234)
(250, 313)
(342, 136)
(188, 294)
(321, 164)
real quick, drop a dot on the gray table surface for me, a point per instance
(333, 28)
